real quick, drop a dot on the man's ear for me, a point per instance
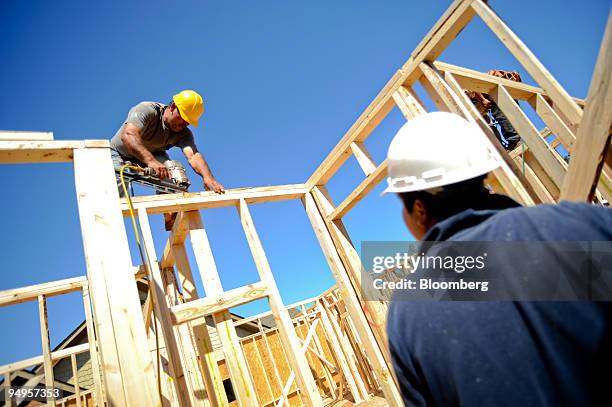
(419, 213)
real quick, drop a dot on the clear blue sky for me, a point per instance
(282, 82)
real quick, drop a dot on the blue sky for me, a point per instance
(282, 82)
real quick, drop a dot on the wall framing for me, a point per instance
(120, 329)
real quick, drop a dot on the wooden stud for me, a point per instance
(553, 121)
(234, 357)
(8, 401)
(75, 378)
(272, 358)
(44, 334)
(197, 330)
(364, 188)
(448, 26)
(98, 394)
(363, 157)
(347, 366)
(408, 102)
(304, 379)
(359, 131)
(195, 386)
(376, 311)
(162, 310)
(372, 347)
(529, 134)
(593, 135)
(318, 348)
(302, 351)
(128, 369)
(509, 174)
(209, 369)
(531, 64)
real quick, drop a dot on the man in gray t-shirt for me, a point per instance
(151, 128)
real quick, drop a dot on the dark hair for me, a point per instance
(451, 200)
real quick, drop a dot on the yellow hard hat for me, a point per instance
(190, 106)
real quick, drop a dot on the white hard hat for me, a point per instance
(437, 149)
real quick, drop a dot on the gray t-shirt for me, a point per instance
(156, 136)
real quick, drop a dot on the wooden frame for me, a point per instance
(40, 293)
(126, 371)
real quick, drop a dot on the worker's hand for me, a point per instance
(212, 184)
(160, 169)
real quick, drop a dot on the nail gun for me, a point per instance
(178, 181)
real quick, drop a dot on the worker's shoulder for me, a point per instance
(148, 107)
(564, 221)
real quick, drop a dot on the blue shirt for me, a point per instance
(507, 353)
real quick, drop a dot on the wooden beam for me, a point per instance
(375, 311)
(372, 347)
(347, 366)
(234, 357)
(363, 157)
(484, 83)
(37, 360)
(288, 336)
(364, 188)
(196, 389)
(75, 379)
(553, 121)
(440, 36)
(30, 293)
(408, 102)
(129, 373)
(444, 31)
(509, 175)
(211, 305)
(359, 131)
(213, 381)
(46, 350)
(530, 135)
(162, 309)
(197, 330)
(25, 136)
(593, 135)
(531, 64)
(18, 152)
(8, 400)
(98, 395)
(201, 200)
(178, 234)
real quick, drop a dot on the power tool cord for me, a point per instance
(144, 258)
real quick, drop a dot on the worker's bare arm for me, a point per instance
(132, 139)
(200, 166)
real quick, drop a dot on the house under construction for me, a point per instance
(149, 339)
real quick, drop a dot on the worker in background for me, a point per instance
(489, 353)
(152, 128)
(485, 105)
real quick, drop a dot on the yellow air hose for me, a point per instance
(146, 264)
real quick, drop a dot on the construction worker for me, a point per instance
(151, 128)
(490, 353)
(484, 104)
